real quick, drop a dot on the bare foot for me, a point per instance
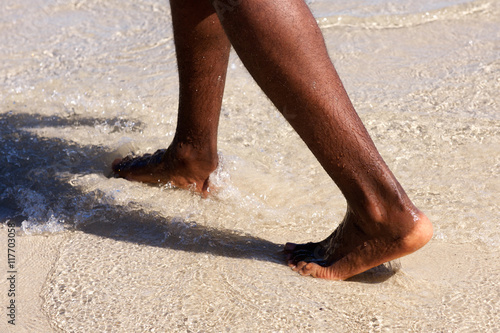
(180, 165)
(355, 247)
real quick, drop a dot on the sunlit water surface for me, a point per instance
(85, 82)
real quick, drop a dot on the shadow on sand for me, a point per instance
(30, 166)
(29, 163)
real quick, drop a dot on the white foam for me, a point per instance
(53, 225)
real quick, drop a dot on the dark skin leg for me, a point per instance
(381, 223)
(282, 47)
(202, 55)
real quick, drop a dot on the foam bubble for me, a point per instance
(53, 225)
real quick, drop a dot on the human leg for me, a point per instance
(282, 47)
(202, 50)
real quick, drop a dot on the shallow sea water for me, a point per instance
(84, 82)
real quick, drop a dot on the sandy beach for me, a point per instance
(85, 82)
(443, 288)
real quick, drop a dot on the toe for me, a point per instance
(298, 266)
(309, 269)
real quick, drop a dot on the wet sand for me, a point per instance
(443, 287)
(86, 82)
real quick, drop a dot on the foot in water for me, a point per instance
(180, 165)
(355, 246)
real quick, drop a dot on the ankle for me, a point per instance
(398, 219)
(203, 157)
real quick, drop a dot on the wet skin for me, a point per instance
(381, 223)
(179, 165)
